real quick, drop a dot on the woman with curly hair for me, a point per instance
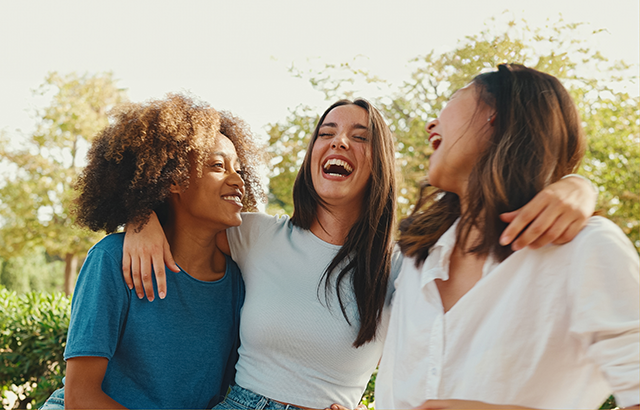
(318, 284)
(196, 168)
(472, 320)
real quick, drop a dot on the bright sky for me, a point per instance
(235, 54)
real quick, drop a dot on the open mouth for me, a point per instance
(435, 141)
(337, 167)
(237, 199)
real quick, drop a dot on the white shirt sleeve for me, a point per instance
(605, 308)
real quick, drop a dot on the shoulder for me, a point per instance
(260, 218)
(111, 245)
(255, 224)
(602, 234)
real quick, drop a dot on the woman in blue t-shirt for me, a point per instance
(196, 168)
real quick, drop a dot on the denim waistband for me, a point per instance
(241, 398)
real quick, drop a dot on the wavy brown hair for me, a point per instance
(365, 257)
(146, 148)
(536, 139)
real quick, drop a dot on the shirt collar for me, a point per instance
(436, 266)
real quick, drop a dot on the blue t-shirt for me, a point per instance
(175, 353)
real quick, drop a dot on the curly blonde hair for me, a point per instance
(149, 146)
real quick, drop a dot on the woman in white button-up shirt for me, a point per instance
(475, 324)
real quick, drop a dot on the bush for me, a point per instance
(32, 341)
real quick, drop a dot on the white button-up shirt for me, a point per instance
(556, 327)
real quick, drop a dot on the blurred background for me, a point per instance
(278, 65)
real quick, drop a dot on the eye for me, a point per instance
(325, 135)
(360, 138)
(241, 172)
(217, 165)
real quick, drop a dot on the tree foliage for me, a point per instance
(610, 115)
(35, 201)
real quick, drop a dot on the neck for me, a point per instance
(194, 248)
(332, 225)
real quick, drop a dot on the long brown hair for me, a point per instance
(368, 246)
(536, 139)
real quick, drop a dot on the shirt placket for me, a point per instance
(436, 343)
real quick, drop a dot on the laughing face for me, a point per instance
(457, 137)
(341, 156)
(215, 198)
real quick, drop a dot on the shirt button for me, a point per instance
(434, 371)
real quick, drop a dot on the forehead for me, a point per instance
(224, 146)
(347, 115)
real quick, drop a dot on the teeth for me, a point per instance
(338, 162)
(435, 141)
(232, 198)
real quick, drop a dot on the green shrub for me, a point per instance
(32, 340)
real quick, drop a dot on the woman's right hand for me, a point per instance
(142, 251)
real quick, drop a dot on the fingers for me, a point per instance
(126, 269)
(523, 217)
(161, 279)
(336, 406)
(570, 232)
(168, 258)
(147, 281)
(135, 274)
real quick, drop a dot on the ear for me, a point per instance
(492, 119)
(175, 188)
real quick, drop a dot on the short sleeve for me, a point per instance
(252, 230)
(98, 308)
(606, 306)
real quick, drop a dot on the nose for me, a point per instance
(431, 125)
(236, 180)
(340, 141)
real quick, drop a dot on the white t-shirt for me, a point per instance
(555, 327)
(294, 348)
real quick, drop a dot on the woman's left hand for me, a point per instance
(336, 406)
(555, 215)
(463, 404)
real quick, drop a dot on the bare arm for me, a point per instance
(141, 251)
(555, 215)
(83, 384)
(147, 248)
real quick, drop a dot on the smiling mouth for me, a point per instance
(233, 198)
(435, 141)
(337, 167)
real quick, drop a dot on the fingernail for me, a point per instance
(515, 247)
(130, 287)
(504, 240)
(161, 294)
(140, 295)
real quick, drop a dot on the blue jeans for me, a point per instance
(242, 399)
(55, 401)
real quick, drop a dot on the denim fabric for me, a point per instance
(55, 401)
(242, 399)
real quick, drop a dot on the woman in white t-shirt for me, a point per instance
(315, 315)
(475, 324)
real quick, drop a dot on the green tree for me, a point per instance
(610, 116)
(36, 271)
(35, 201)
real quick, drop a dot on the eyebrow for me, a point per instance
(225, 156)
(334, 125)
